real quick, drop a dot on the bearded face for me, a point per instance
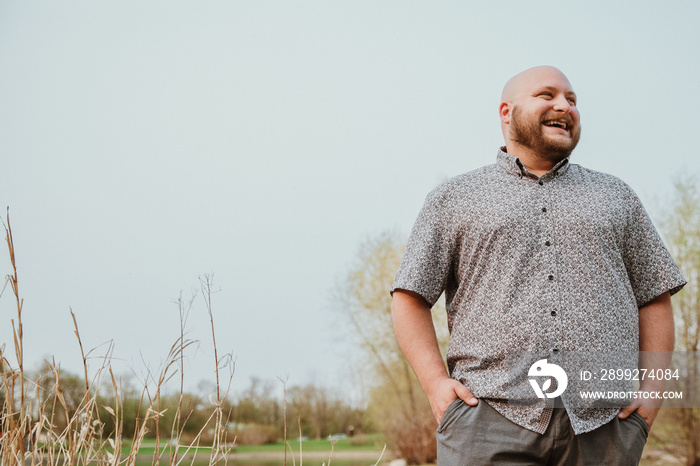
(553, 137)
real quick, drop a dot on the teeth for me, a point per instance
(558, 124)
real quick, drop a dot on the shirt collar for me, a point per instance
(514, 166)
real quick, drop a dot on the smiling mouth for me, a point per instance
(557, 124)
(561, 124)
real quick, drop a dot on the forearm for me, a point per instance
(656, 338)
(413, 325)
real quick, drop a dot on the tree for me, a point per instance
(320, 412)
(257, 404)
(397, 403)
(313, 407)
(682, 231)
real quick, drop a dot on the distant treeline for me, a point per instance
(256, 416)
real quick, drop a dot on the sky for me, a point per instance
(144, 145)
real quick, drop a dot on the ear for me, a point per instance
(504, 111)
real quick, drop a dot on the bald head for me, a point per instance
(523, 82)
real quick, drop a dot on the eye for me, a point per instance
(545, 94)
(572, 101)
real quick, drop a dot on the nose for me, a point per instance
(561, 104)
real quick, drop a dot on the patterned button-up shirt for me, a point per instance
(551, 265)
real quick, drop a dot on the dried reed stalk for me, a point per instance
(49, 428)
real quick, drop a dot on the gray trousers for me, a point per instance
(480, 435)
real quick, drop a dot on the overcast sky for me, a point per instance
(146, 143)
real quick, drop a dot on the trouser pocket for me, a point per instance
(637, 418)
(447, 418)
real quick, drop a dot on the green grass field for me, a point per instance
(374, 442)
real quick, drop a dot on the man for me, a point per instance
(538, 258)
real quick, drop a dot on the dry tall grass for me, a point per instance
(38, 426)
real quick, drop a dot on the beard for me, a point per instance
(527, 131)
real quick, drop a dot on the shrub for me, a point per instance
(256, 434)
(360, 440)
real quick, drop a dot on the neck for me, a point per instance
(532, 160)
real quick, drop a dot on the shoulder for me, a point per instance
(461, 186)
(610, 192)
(601, 180)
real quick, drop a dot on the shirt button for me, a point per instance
(551, 277)
(544, 209)
(547, 243)
(554, 313)
(541, 183)
(555, 350)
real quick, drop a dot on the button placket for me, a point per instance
(551, 311)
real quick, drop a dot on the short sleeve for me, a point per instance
(427, 261)
(650, 267)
